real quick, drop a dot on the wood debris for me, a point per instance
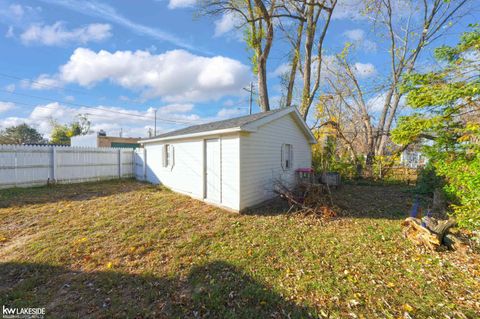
(307, 198)
(434, 234)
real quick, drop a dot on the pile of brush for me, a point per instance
(307, 198)
(432, 233)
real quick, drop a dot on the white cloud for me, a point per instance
(11, 121)
(6, 106)
(42, 82)
(10, 88)
(369, 46)
(10, 33)
(229, 102)
(175, 108)
(282, 69)
(365, 70)
(359, 40)
(51, 110)
(58, 34)
(349, 9)
(175, 76)
(377, 102)
(134, 123)
(229, 25)
(225, 24)
(18, 15)
(17, 11)
(276, 101)
(107, 12)
(228, 113)
(355, 34)
(174, 4)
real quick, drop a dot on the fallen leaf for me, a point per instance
(407, 307)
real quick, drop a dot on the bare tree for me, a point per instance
(354, 124)
(261, 42)
(309, 15)
(408, 31)
(296, 42)
(257, 17)
(409, 26)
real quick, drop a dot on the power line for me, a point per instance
(98, 108)
(250, 100)
(5, 75)
(74, 104)
(83, 92)
(51, 108)
(81, 105)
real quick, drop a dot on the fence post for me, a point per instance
(54, 164)
(119, 163)
(144, 164)
(15, 166)
(133, 163)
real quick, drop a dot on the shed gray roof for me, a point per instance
(218, 125)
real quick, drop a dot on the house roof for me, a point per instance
(243, 123)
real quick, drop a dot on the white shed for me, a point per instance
(232, 163)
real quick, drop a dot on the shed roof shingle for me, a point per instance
(218, 125)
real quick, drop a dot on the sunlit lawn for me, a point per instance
(127, 249)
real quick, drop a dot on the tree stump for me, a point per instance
(420, 235)
(432, 236)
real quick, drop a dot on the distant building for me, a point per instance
(102, 140)
(412, 157)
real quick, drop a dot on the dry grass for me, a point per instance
(128, 249)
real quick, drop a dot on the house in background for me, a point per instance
(232, 163)
(102, 140)
(412, 157)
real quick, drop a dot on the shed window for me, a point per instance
(167, 155)
(287, 156)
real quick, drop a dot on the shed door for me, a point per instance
(212, 170)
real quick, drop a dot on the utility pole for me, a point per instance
(155, 129)
(251, 97)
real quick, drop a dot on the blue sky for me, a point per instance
(117, 61)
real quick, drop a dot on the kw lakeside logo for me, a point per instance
(23, 313)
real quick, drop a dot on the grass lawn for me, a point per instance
(128, 249)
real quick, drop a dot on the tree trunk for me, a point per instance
(262, 85)
(383, 116)
(294, 66)
(262, 54)
(307, 66)
(388, 124)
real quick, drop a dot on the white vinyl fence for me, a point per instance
(22, 166)
(140, 159)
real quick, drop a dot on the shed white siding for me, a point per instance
(261, 164)
(230, 166)
(233, 163)
(186, 175)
